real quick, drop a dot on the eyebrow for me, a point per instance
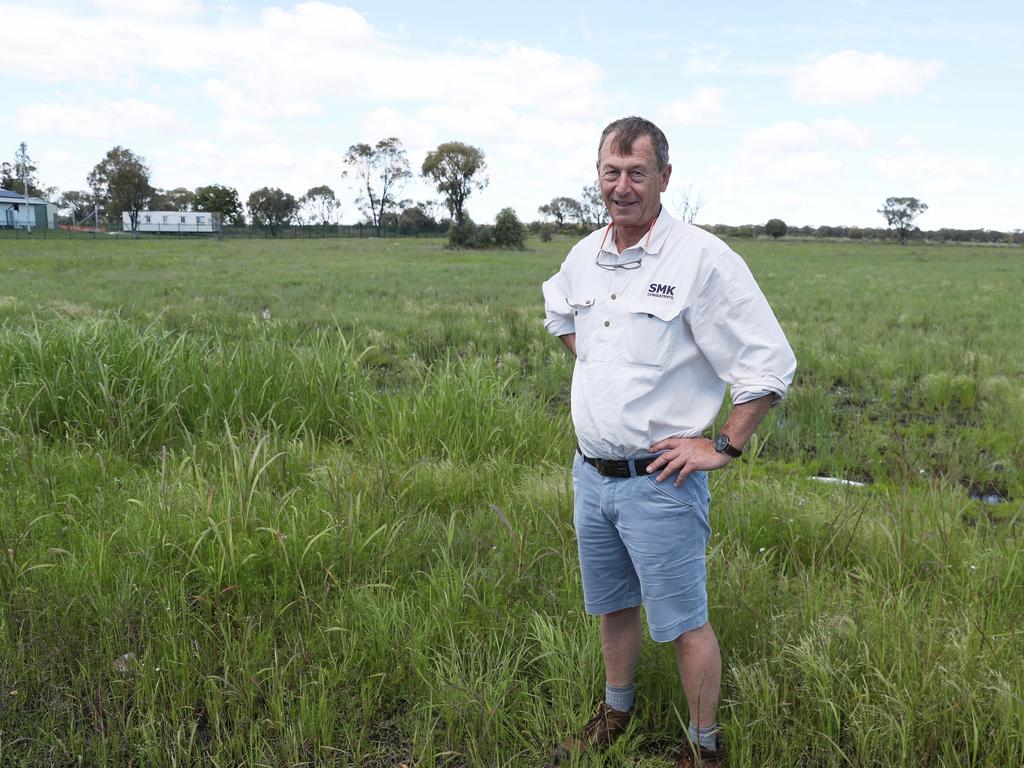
(633, 167)
(637, 167)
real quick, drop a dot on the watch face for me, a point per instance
(721, 442)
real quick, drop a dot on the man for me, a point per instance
(661, 316)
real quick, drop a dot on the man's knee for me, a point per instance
(696, 637)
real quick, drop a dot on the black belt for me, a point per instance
(619, 467)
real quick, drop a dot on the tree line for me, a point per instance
(120, 183)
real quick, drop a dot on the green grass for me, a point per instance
(344, 536)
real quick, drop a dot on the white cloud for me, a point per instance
(417, 135)
(705, 59)
(191, 149)
(852, 77)
(792, 136)
(288, 61)
(99, 119)
(921, 173)
(270, 155)
(843, 131)
(704, 107)
(787, 136)
(239, 129)
(151, 8)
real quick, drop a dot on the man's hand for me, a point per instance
(685, 455)
(570, 342)
(689, 454)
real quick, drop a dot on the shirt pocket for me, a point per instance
(583, 319)
(652, 329)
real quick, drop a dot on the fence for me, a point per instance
(303, 231)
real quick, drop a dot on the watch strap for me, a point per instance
(722, 445)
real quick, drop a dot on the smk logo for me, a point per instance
(659, 291)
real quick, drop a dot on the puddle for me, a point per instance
(988, 497)
(838, 481)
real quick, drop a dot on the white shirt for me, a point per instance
(657, 345)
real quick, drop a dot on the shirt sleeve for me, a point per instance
(738, 333)
(558, 316)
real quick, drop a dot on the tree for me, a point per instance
(177, 199)
(216, 198)
(509, 231)
(563, 209)
(900, 213)
(78, 203)
(381, 171)
(776, 228)
(320, 206)
(456, 170)
(270, 207)
(417, 218)
(592, 206)
(688, 205)
(13, 175)
(120, 184)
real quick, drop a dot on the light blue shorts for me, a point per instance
(643, 542)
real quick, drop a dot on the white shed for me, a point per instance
(38, 214)
(174, 222)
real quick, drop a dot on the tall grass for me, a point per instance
(342, 540)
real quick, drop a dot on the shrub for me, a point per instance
(485, 237)
(776, 228)
(509, 231)
(546, 233)
(464, 236)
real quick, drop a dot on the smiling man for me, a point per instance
(661, 317)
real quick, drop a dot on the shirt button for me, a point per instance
(613, 296)
(575, 311)
(606, 323)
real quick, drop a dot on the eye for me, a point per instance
(638, 176)
(609, 175)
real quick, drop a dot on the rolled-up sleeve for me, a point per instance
(558, 317)
(739, 334)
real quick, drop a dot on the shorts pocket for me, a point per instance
(693, 491)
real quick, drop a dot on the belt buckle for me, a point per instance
(613, 468)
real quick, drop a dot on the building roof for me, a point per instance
(6, 194)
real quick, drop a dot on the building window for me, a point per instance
(199, 220)
(182, 219)
(164, 219)
(147, 219)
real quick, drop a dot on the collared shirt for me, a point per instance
(657, 345)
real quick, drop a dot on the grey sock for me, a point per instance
(706, 737)
(619, 698)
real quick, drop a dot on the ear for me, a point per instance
(666, 172)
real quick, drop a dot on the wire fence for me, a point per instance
(290, 232)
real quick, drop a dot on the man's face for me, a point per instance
(631, 185)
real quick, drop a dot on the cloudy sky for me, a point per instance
(812, 111)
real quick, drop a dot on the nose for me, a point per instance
(622, 184)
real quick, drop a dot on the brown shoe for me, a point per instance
(602, 729)
(694, 756)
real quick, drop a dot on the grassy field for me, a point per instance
(343, 536)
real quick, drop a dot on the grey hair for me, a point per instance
(629, 129)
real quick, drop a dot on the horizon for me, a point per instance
(807, 113)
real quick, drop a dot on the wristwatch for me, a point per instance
(721, 443)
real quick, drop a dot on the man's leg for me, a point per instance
(620, 645)
(700, 669)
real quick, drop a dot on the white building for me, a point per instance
(38, 214)
(173, 222)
